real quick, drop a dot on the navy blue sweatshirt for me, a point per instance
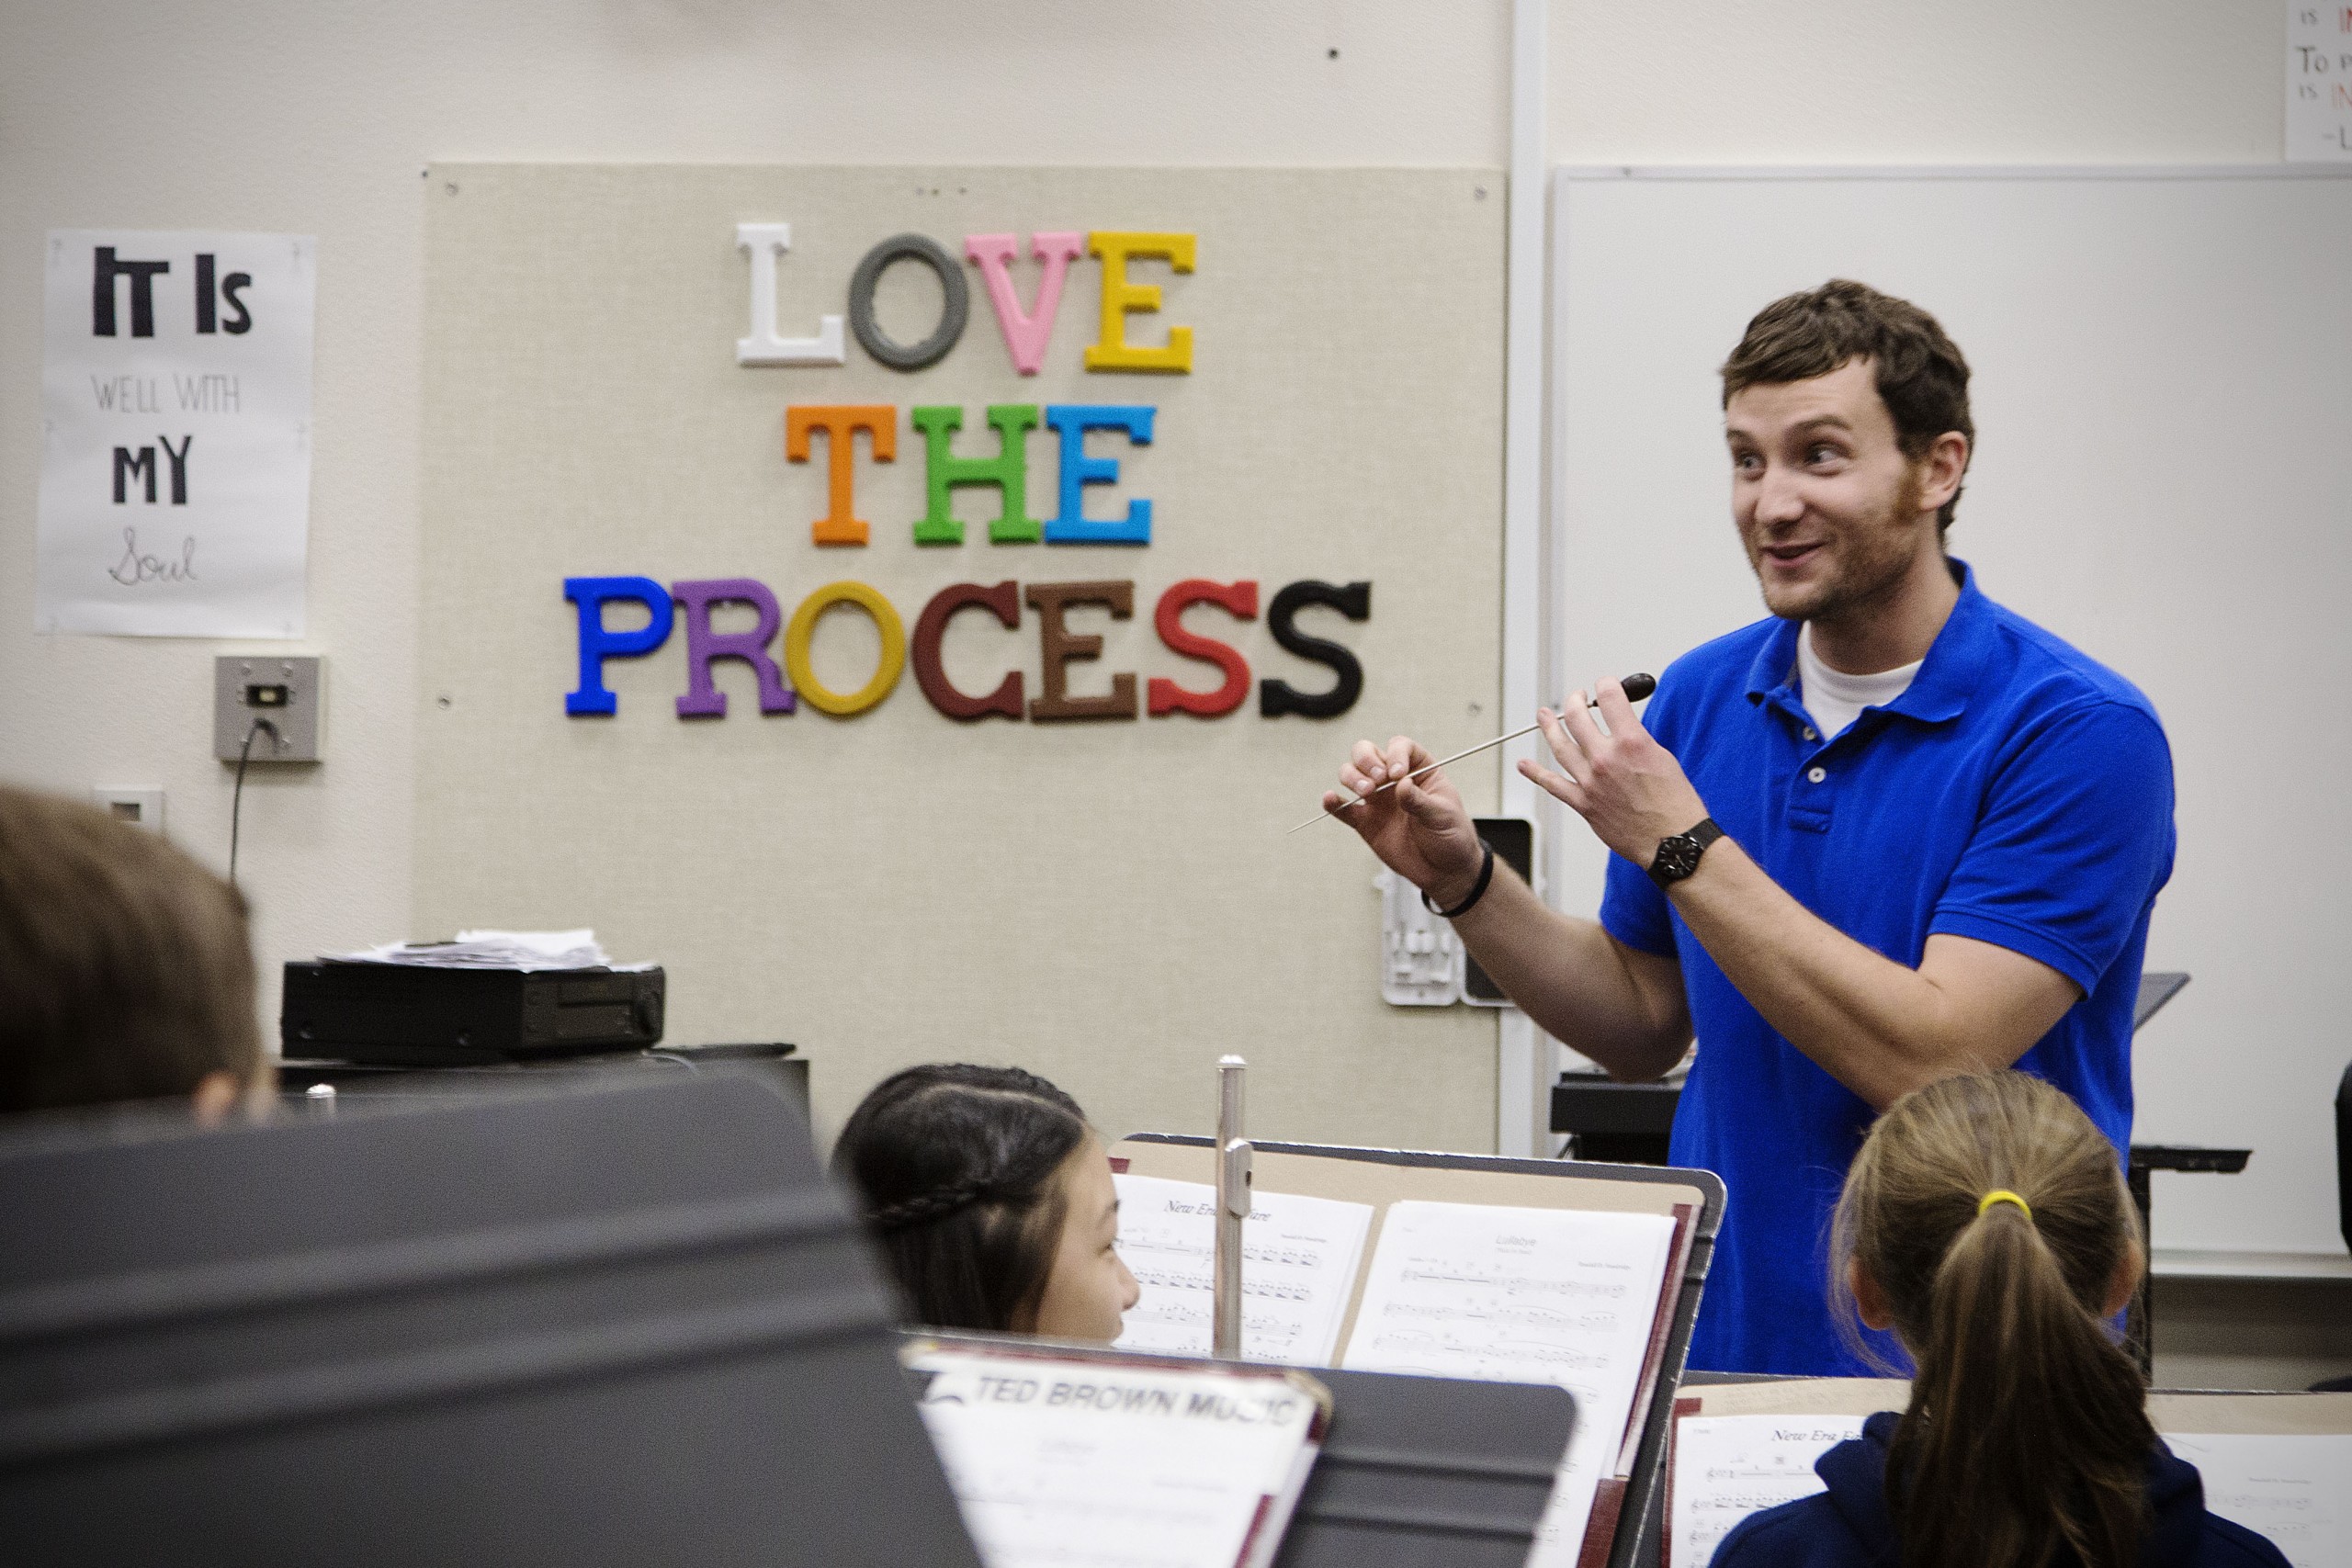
(1849, 1527)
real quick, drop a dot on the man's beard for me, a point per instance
(1876, 557)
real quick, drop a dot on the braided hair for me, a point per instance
(953, 1166)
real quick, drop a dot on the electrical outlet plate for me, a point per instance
(140, 807)
(286, 690)
(1420, 958)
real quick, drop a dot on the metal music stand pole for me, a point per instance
(1233, 1194)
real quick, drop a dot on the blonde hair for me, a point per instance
(2028, 1429)
(125, 970)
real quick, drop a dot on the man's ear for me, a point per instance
(217, 1094)
(1868, 1300)
(1945, 465)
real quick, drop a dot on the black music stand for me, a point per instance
(614, 1326)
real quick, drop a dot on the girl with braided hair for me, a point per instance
(991, 1201)
(1985, 1221)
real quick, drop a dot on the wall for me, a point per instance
(319, 117)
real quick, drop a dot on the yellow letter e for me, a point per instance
(1120, 297)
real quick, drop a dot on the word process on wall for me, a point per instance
(1027, 332)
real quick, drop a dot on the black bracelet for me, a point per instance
(1477, 889)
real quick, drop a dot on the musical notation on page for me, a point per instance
(1727, 1467)
(1299, 1258)
(2294, 1488)
(1522, 1295)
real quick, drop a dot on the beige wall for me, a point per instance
(318, 117)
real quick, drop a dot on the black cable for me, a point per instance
(237, 800)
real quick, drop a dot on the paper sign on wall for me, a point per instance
(2319, 82)
(175, 450)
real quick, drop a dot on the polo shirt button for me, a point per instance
(1809, 733)
(1817, 774)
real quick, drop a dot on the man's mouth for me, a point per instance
(1789, 555)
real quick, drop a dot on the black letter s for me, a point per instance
(1278, 697)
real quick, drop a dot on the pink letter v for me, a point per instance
(1026, 336)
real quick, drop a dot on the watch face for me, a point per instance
(1676, 858)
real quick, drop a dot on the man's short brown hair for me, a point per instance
(125, 969)
(1922, 379)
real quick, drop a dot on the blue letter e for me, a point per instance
(598, 644)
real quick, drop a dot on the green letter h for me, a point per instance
(1008, 470)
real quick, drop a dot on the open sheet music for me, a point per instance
(1562, 1296)
(1727, 1467)
(1059, 1461)
(2293, 1486)
(1299, 1259)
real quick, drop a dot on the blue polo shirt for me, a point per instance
(2017, 794)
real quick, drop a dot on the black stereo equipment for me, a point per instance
(408, 1015)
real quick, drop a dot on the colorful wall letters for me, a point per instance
(1069, 690)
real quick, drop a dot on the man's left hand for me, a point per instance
(1622, 782)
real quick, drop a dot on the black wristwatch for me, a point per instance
(1677, 857)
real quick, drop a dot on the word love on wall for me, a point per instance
(1027, 332)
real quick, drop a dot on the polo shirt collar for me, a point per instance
(1945, 678)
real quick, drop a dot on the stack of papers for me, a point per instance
(489, 949)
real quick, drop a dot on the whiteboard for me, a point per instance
(2163, 396)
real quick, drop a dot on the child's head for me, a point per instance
(125, 971)
(992, 1200)
(1986, 1221)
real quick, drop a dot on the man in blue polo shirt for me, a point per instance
(1892, 832)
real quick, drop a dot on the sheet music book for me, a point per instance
(1299, 1260)
(2295, 1489)
(1727, 1467)
(1529, 1277)
(1059, 1461)
(1523, 1295)
(2280, 1464)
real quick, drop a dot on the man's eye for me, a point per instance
(1822, 454)
(1746, 462)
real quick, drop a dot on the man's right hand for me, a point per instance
(1420, 830)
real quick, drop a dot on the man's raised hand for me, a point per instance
(1622, 782)
(1420, 829)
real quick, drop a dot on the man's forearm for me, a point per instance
(1575, 981)
(1878, 1027)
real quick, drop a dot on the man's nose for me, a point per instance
(1780, 499)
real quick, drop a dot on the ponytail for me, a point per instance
(1993, 1215)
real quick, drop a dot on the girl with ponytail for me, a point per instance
(990, 1200)
(1987, 1222)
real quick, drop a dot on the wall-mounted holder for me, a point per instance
(288, 691)
(1422, 962)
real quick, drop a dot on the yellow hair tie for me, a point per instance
(2003, 1195)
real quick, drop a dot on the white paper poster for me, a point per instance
(175, 451)
(2319, 82)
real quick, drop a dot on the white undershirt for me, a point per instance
(1836, 699)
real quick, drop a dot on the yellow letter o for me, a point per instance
(804, 626)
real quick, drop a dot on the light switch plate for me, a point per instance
(140, 807)
(288, 690)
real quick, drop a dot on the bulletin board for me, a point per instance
(1112, 903)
